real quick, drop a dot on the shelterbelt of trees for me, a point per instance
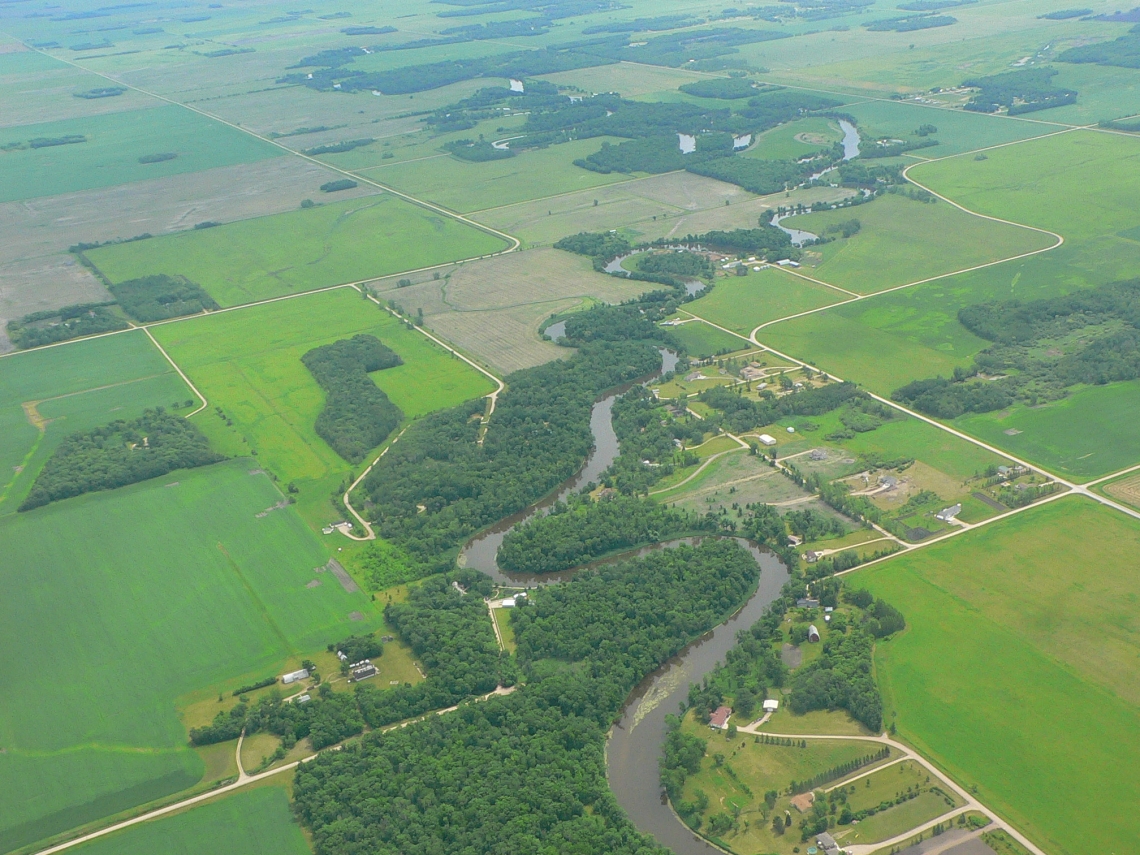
(526, 772)
(357, 416)
(120, 453)
(438, 486)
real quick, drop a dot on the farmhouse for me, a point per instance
(827, 844)
(807, 603)
(719, 718)
(363, 670)
(812, 557)
(750, 373)
(294, 676)
(813, 634)
(948, 514)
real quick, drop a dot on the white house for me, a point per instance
(771, 705)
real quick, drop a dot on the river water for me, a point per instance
(850, 150)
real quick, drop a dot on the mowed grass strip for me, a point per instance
(1018, 671)
(123, 601)
(742, 303)
(248, 362)
(903, 240)
(256, 821)
(301, 250)
(115, 142)
(48, 394)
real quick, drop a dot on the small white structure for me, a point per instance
(508, 603)
(294, 676)
(304, 699)
(813, 634)
(948, 514)
(767, 440)
(787, 262)
(791, 430)
(340, 655)
(771, 705)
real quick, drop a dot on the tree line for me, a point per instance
(120, 453)
(357, 415)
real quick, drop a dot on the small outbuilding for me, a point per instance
(771, 705)
(813, 634)
(294, 676)
(719, 718)
(767, 440)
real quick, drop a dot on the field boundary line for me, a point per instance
(511, 239)
(853, 294)
(583, 190)
(181, 373)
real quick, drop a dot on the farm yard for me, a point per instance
(302, 250)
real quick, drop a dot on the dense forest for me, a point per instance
(1023, 91)
(48, 327)
(526, 772)
(1040, 349)
(477, 151)
(739, 413)
(357, 416)
(910, 23)
(725, 88)
(580, 530)
(448, 630)
(648, 432)
(157, 297)
(438, 486)
(117, 454)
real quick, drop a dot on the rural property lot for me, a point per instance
(301, 250)
(248, 363)
(180, 586)
(115, 142)
(48, 394)
(1017, 670)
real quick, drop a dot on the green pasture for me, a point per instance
(248, 362)
(742, 303)
(301, 250)
(781, 142)
(703, 341)
(1104, 92)
(49, 393)
(1088, 434)
(1018, 670)
(256, 821)
(939, 449)
(465, 186)
(903, 241)
(115, 141)
(120, 603)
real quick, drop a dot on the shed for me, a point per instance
(765, 439)
(508, 603)
(771, 705)
(719, 718)
(813, 634)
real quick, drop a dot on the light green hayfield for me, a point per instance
(741, 303)
(301, 250)
(115, 141)
(1018, 671)
(256, 821)
(464, 186)
(248, 362)
(702, 340)
(903, 241)
(120, 603)
(49, 393)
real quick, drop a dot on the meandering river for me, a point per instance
(635, 742)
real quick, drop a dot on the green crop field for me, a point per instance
(902, 241)
(1018, 671)
(301, 250)
(703, 341)
(742, 303)
(47, 394)
(115, 141)
(248, 362)
(252, 822)
(464, 186)
(1088, 434)
(121, 602)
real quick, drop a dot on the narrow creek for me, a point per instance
(635, 742)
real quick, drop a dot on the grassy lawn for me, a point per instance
(301, 250)
(465, 186)
(703, 341)
(115, 142)
(1083, 436)
(249, 364)
(255, 821)
(146, 593)
(1018, 671)
(76, 387)
(903, 241)
(741, 303)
